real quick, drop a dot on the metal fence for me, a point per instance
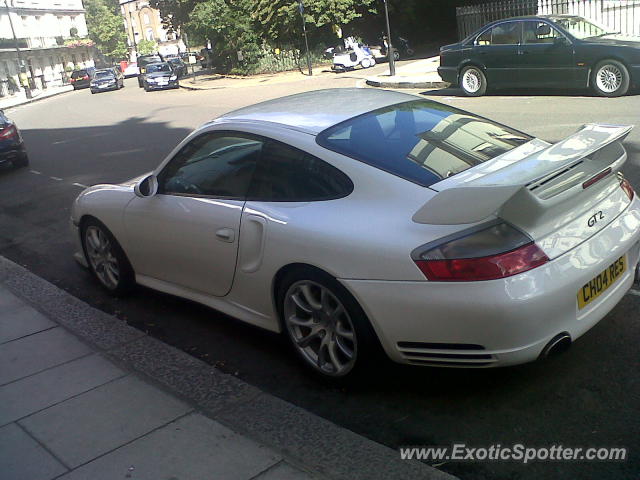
(622, 16)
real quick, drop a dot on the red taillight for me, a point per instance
(9, 132)
(628, 189)
(86, 77)
(492, 267)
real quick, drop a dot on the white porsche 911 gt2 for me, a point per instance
(360, 219)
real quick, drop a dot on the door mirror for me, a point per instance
(147, 187)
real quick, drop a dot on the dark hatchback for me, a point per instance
(12, 149)
(542, 51)
(159, 76)
(82, 78)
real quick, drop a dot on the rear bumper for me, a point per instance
(448, 74)
(12, 153)
(500, 322)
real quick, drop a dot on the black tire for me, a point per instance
(473, 82)
(366, 348)
(22, 161)
(126, 277)
(607, 75)
(146, 88)
(93, 92)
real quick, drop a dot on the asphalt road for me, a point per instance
(589, 397)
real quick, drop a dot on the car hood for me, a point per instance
(615, 40)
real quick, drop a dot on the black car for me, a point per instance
(12, 148)
(82, 78)
(143, 61)
(542, 51)
(107, 79)
(178, 66)
(159, 76)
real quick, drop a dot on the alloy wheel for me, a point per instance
(471, 80)
(609, 78)
(101, 257)
(320, 328)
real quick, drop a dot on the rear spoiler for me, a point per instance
(510, 187)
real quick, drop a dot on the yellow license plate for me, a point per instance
(596, 286)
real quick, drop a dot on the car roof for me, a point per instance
(315, 111)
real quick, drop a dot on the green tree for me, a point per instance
(106, 28)
(145, 47)
(279, 19)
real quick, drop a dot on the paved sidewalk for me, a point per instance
(213, 81)
(21, 99)
(84, 396)
(419, 74)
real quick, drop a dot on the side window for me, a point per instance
(506, 33)
(484, 38)
(287, 174)
(213, 164)
(539, 32)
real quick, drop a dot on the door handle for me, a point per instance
(226, 235)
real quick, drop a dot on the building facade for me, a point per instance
(41, 41)
(142, 22)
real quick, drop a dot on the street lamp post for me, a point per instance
(27, 89)
(392, 61)
(306, 41)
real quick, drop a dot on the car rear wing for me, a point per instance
(534, 184)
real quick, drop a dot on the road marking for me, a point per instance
(36, 172)
(79, 185)
(121, 152)
(56, 178)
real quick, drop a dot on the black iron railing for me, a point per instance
(622, 16)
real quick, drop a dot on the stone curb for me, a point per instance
(374, 82)
(306, 440)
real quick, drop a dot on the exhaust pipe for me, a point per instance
(558, 344)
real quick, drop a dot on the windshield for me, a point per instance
(158, 67)
(421, 141)
(104, 75)
(580, 28)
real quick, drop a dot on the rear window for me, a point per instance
(79, 73)
(421, 141)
